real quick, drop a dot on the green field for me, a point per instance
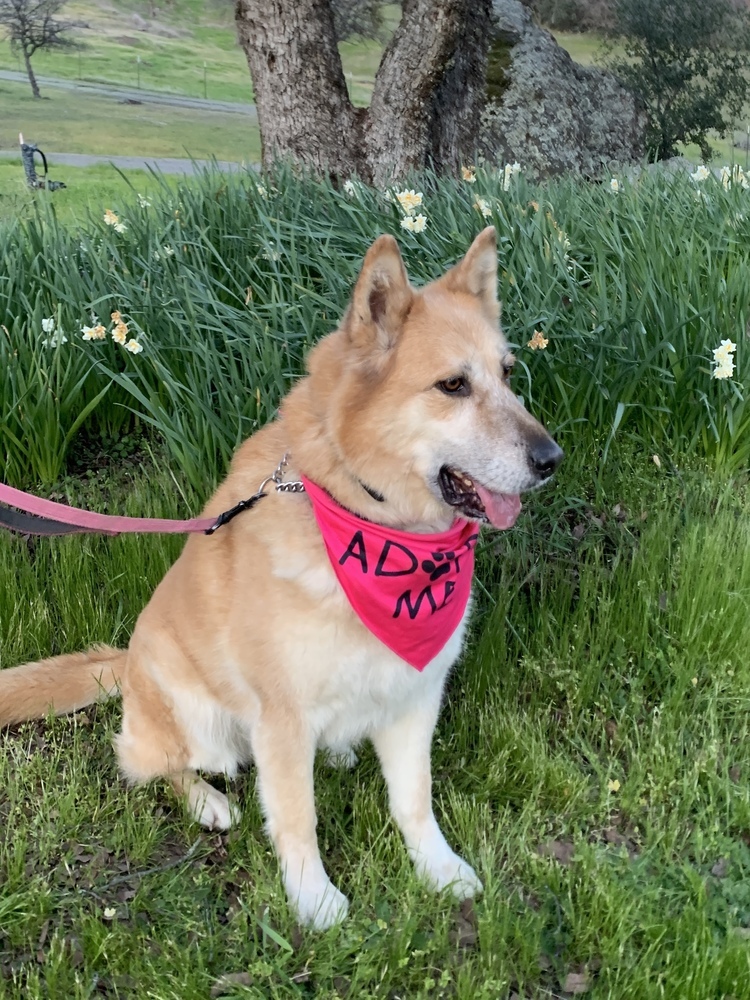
(591, 762)
(583, 47)
(199, 32)
(85, 123)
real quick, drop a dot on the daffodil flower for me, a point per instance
(409, 200)
(414, 223)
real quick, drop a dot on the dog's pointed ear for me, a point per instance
(476, 274)
(382, 298)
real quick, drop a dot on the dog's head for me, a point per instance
(414, 399)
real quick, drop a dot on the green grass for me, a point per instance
(90, 191)
(583, 47)
(85, 123)
(591, 760)
(620, 656)
(111, 46)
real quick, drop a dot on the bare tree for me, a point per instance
(31, 25)
(428, 96)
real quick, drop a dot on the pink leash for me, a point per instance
(50, 518)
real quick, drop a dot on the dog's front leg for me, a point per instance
(404, 751)
(284, 751)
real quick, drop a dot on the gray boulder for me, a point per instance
(547, 112)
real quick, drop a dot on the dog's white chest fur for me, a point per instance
(351, 683)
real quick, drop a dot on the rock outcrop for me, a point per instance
(549, 113)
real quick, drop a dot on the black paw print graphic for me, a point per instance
(440, 566)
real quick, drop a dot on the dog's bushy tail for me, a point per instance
(60, 683)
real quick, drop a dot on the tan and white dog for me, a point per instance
(249, 648)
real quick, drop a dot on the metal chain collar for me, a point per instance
(277, 479)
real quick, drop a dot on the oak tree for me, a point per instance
(426, 103)
(688, 61)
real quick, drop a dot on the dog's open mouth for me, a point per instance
(476, 502)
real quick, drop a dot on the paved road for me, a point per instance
(162, 164)
(124, 94)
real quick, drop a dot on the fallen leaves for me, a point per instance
(463, 935)
(576, 982)
(559, 850)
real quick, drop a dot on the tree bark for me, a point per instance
(426, 104)
(429, 89)
(304, 111)
(30, 71)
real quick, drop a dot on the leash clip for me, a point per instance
(227, 515)
(277, 478)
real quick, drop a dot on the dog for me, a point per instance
(405, 432)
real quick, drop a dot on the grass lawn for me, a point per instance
(111, 45)
(592, 756)
(200, 32)
(591, 762)
(90, 190)
(85, 123)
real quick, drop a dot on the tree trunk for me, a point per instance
(30, 71)
(428, 95)
(429, 89)
(303, 105)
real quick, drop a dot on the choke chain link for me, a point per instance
(277, 479)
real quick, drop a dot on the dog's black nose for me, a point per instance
(545, 456)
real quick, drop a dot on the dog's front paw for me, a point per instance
(450, 872)
(319, 906)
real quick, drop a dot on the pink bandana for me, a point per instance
(410, 590)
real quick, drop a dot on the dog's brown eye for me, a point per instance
(456, 386)
(507, 370)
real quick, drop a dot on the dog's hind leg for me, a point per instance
(283, 750)
(404, 751)
(153, 744)
(210, 807)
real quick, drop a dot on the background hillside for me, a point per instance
(175, 43)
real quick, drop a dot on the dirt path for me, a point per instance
(137, 96)
(161, 164)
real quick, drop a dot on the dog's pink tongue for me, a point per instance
(502, 508)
